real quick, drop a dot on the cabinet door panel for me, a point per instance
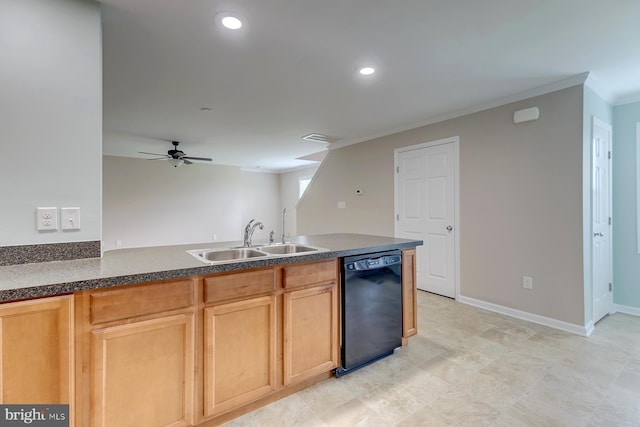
(240, 353)
(36, 351)
(140, 300)
(237, 285)
(310, 274)
(310, 332)
(143, 373)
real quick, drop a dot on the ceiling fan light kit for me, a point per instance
(176, 157)
(176, 162)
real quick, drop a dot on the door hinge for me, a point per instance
(397, 169)
(609, 220)
(609, 154)
(610, 287)
(397, 217)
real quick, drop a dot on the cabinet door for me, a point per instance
(239, 353)
(142, 373)
(310, 332)
(36, 352)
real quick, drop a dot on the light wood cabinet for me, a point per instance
(310, 320)
(239, 353)
(36, 358)
(409, 297)
(310, 332)
(265, 330)
(240, 333)
(142, 373)
(137, 355)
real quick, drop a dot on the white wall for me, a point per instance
(520, 201)
(149, 203)
(289, 191)
(51, 120)
(260, 200)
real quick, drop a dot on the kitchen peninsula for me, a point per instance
(153, 336)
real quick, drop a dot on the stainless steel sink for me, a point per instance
(288, 248)
(214, 255)
(220, 255)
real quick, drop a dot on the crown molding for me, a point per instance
(568, 82)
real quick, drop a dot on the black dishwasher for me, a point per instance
(371, 308)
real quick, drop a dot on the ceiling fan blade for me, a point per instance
(186, 162)
(153, 154)
(204, 159)
(158, 158)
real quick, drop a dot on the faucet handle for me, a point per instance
(271, 234)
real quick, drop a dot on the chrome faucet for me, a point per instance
(271, 234)
(284, 213)
(248, 231)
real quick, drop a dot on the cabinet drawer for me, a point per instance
(117, 304)
(309, 274)
(230, 286)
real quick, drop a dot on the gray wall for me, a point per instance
(153, 204)
(289, 190)
(51, 121)
(520, 195)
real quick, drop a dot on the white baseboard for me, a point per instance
(530, 317)
(626, 309)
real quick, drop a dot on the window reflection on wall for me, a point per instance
(303, 183)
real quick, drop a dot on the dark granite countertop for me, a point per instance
(127, 266)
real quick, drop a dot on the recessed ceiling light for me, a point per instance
(231, 22)
(366, 71)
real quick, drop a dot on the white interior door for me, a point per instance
(425, 202)
(601, 226)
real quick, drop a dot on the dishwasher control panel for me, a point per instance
(373, 263)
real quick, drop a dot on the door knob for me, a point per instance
(598, 234)
(449, 228)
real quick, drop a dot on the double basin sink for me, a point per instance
(214, 256)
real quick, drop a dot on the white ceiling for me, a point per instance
(290, 70)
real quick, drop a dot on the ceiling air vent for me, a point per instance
(321, 138)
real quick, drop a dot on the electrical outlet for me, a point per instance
(46, 219)
(527, 282)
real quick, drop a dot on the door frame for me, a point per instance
(597, 122)
(455, 140)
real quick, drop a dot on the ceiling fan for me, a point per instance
(176, 157)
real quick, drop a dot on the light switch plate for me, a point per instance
(46, 219)
(70, 218)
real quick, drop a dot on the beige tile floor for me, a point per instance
(471, 367)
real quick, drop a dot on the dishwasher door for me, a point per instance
(371, 308)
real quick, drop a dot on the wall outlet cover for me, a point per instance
(46, 219)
